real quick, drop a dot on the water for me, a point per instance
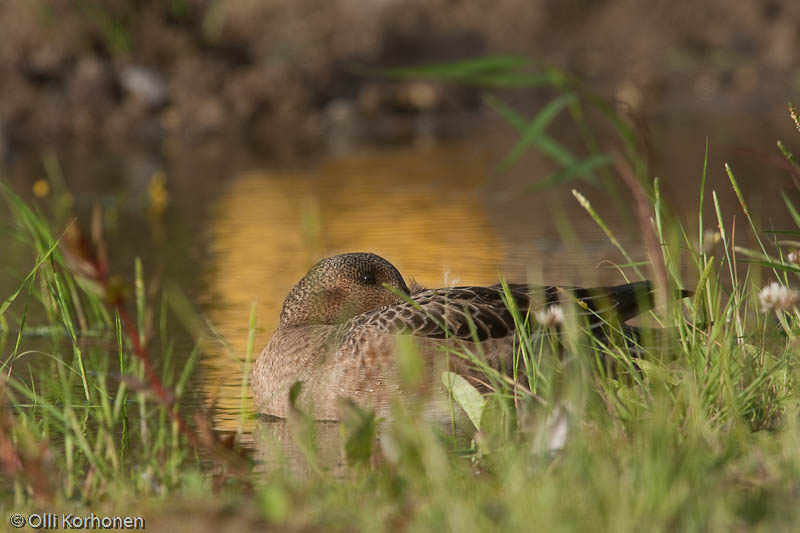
(239, 233)
(428, 211)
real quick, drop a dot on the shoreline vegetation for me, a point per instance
(701, 433)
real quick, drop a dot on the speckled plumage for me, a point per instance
(339, 325)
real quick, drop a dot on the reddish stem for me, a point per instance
(101, 275)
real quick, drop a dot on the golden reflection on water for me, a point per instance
(419, 210)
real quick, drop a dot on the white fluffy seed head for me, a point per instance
(551, 316)
(776, 296)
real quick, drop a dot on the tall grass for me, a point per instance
(698, 432)
(86, 411)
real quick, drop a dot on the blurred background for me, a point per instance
(278, 77)
(232, 144)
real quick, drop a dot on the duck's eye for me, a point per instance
(367, 278)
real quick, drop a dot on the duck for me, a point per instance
(342, 324)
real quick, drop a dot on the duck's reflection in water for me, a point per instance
(297, 446)
(300, 445)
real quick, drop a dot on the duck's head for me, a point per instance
(340, 287)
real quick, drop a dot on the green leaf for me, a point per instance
(790, 207)
(454, 70)
(776, 266)
(30, 275)
(509, 79)
(467, 396)
(274, 502)
(495, 420)
(582, 168)
(409, 360)
(506, 112)
(535, 128)
(793, 233)
(294, 393)
(657, 373)
(360, 427)
(555, 150)
(546, 144)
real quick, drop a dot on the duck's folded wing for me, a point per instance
(480, 313)
(467, 313)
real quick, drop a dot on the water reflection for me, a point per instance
(419, 210)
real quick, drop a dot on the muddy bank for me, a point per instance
(277, 77)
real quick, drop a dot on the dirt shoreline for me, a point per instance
(276, 77)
